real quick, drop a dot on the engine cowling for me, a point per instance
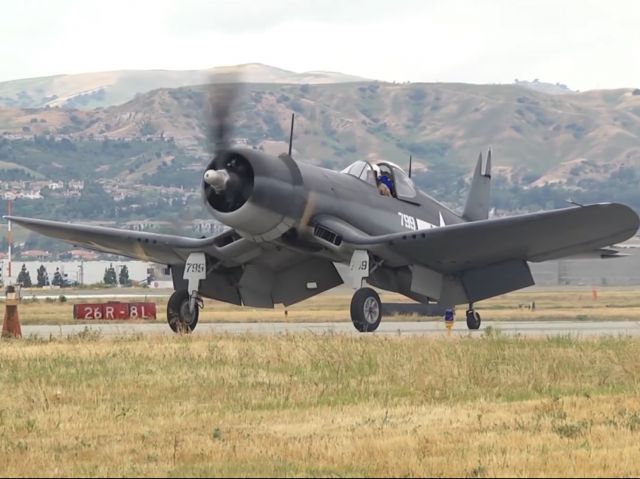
(259, 195)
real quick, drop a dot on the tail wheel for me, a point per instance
(366, 310)
(473, 319)
(179, 317)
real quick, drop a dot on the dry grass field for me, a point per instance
(332, 405)
(559, 304)
(314, 405)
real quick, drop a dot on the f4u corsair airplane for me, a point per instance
(291, 223)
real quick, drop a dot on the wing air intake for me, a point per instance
(327, 235)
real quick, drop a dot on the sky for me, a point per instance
(584, 44)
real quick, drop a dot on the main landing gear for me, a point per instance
(179, 315)
(366, 310)
(473, 318)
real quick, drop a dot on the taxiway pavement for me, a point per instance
(426, 328)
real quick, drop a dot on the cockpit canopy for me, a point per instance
(403, 187)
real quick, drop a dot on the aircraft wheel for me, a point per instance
(366, 310)
(179, 317)
(473, 319)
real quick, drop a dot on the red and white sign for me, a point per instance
(114, 311)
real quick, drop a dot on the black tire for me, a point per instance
(366, 310)
(178, 316)
(473, 319)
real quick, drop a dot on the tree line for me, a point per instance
(111, 278)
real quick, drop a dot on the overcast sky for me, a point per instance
(582, 43)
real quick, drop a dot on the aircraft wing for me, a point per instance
(268, 275)
(574, 231)
(158, 248)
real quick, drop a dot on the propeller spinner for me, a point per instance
(217, 179)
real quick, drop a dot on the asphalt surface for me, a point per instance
(427, 328)
(106, 293)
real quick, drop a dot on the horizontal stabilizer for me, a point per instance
(602, 253)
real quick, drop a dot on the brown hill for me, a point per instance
(532, 134)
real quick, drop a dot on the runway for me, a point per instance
(395, 328)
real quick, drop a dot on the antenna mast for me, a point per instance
(410, 158)
(291, 134)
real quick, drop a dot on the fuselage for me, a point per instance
(285, 196)
(360, 204)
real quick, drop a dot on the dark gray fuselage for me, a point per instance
(361, 205)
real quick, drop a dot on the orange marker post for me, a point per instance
(11, 325)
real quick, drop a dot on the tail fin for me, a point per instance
(477, 207)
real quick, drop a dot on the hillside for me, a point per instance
(531, 133)
(92, 90)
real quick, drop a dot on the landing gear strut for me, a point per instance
(180, 317)
(473, 318)
(366, 310)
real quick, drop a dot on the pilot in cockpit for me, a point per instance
(384, 182)
(383, 189)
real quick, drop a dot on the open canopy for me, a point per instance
(370, 172)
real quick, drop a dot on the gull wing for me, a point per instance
(468, 262)
(530, 237)
(158, 248)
